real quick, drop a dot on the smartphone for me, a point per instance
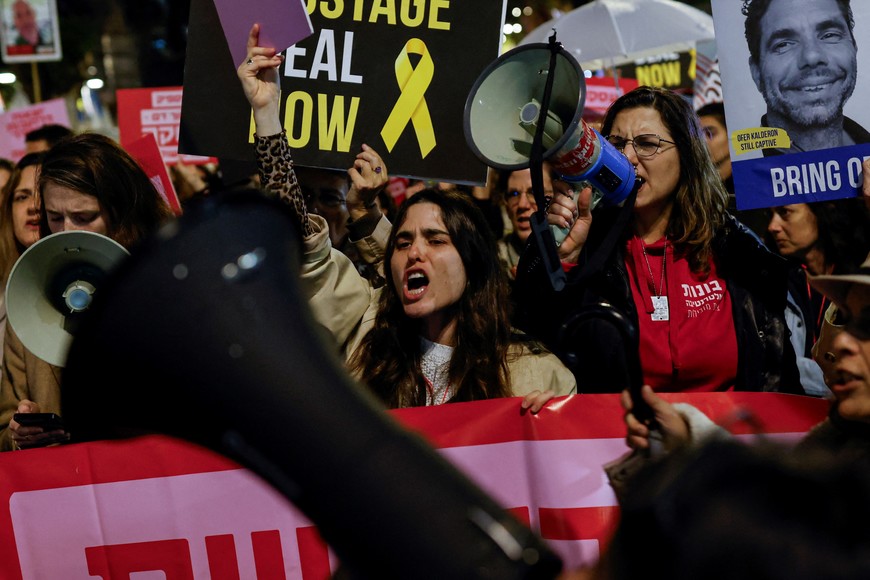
(48, 421)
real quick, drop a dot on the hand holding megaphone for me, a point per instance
(504, 111)
(570, 211)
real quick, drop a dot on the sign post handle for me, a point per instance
(37, 88)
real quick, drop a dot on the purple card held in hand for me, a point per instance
(282, 23)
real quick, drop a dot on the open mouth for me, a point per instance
(842, 380)
(417, 283)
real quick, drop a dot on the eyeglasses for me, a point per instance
(644, 145)
(325, 196)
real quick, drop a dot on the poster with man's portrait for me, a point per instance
(29, 31)
(795, 81)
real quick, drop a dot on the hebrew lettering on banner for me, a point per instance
(162, 508)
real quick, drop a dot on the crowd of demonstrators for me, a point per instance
(706, 296)
(846, 430)
(818, 238)
(19, 228)
(519, 200)
(701, 501)
(438, 330)
(86, 182)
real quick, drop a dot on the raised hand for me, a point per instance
(259, 78)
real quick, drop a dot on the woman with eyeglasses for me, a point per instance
(706, 297)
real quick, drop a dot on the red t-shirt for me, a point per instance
(695, 349)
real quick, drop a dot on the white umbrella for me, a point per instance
(611, 32)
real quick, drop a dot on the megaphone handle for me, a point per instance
(543, 235)
(536, 159)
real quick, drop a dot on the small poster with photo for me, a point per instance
(30, 31)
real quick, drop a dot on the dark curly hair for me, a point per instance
(388, 358)
(754, 11)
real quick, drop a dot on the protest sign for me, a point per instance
(17, 123)
(672, 70)
(29, 31)
(156, 111)
(602, 91)
(154, 505)
(392, 75)
(795, 110)
(146, 152)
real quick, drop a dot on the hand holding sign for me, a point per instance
(259, 77)
(368, 177)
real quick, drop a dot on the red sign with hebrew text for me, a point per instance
(112, 509)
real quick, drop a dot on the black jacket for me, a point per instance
(595, 350)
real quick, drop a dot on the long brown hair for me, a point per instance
(388, 358)
(700, 199)
(94, 165)
(10, 248)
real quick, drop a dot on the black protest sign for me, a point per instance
(393, 74)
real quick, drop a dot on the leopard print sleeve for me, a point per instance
(277, 175)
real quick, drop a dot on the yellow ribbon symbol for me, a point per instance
(411, 105)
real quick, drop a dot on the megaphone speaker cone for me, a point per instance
(501, 111)
(54, 278)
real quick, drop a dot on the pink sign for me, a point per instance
(15, 124)
(154, 507)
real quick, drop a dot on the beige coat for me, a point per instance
(25, 376)
(346, 304)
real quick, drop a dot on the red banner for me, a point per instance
(156, 111)
(112, 509)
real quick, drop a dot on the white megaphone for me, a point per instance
(52, 284)
(502, 114)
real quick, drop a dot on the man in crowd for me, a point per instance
(520, 204)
